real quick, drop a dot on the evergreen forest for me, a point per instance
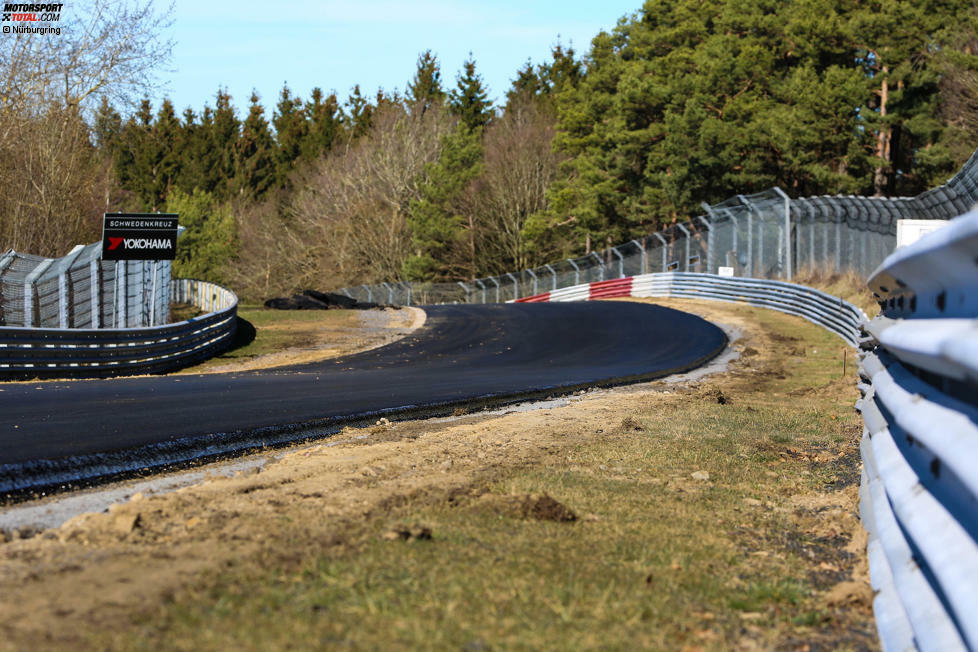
(682, 102)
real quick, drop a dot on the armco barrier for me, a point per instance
(80, 352)
(823, 309)
(919, 371)
(920, 443)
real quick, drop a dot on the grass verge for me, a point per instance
(712, 515)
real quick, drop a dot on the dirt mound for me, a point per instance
(315, 300)
(536, 506)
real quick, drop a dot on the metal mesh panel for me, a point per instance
(764, 235)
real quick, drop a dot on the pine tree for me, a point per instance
(325, 124)
(255, 165)
(358, 113)
(136, 156)
(526, 86)
(225, 129)
(165, 135)
(425, 91)
(191, 172)
(291, 131)
(437, 225)
(469, 100)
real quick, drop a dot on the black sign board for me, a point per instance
(139, 236)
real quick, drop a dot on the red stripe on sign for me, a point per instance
(536, 298)
(618, 287)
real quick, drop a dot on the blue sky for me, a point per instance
(246, 44)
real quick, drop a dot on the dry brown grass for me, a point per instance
(846, 285)
(713, 515)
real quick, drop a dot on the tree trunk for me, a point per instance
(881, 175)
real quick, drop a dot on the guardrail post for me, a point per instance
(709, 243)
(687, 234)
(665, 248)
(645, 258)
(600, 265)
(577, 272)
(483, 287)
(496, 282)
(553, 273)
(534, 277)
(787, 231)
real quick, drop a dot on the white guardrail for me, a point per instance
(919, 372)
(920, 444)
(90, 352)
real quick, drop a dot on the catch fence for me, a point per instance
(80, 290)
(764, 235)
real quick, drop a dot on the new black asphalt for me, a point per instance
(463, 353)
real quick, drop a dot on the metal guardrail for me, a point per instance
(919, 371)
(920, 443)
(86, 352)
(823, 309)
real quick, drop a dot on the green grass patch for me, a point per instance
(656, 558)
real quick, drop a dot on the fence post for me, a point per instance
(553, 273)
(516, 286)
(370, 294)
(496, 282)
(5, 262)
(390, 293)
(29, 290)
(466, 289)
(665, 248)
(152, 298)
(687, 234)
(534, 277)
(621, 262)
(347, 293)
(95, 279)
(736, 228)
(709, 243)
(600, 265)
(645, 258)
(787, 232)
(64, 299)
(577, 272)
(483, 287)
(750, 234)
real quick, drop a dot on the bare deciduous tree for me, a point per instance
(520, 164)
(49, 84)
(349, 214)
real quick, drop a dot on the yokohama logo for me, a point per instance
(139, 243)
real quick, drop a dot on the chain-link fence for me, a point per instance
(82, 291)
(764, 235)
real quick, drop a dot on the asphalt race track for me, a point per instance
(66, 431)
